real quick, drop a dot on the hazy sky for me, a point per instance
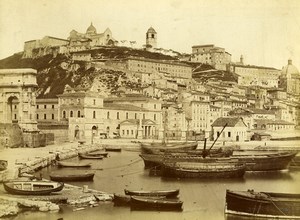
(266, 32)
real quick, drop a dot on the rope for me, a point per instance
(125, 165)
(275, 205)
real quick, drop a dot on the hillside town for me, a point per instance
(167, 95)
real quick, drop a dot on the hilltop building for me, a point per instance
(151, 39)
(209, 54)
(44, 46)
(90, 39)
(290, 79)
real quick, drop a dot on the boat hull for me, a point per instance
(113, 149)
(261, 204)
(269, 162)
(155, 193)
(72, 177)
(93, 157)
(203, 170)
(32, 187)
(157, 149)
(71, 164)
(141, 203)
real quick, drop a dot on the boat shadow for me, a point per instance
(203, 180)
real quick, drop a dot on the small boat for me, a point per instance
(32, 187)
(115, 149)
(87, 176)
(153, 193)
(263, 204)
(207, 168)
(155, 203)
(3, 165)
(86, 156)
(72, 164)
(124, 200)
(103, 154)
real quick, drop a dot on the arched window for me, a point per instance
(37, 116)
(78, 114)
(126, 115)
(71, 114)
(154, 117)
(64, 114)
(52, 116)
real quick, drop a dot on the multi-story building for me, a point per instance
(209, 54)
(47, 110)
(41, 47)
(290, 79)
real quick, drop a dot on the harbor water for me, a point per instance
(202, 198)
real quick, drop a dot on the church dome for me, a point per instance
(91, 29)
(290, 69)
(151, 30)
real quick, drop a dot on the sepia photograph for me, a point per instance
(163, 109)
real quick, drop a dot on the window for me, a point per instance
(218, 134)
(15, 116)
(127, 132)
(126, 115)
(45, 116)
(37, 116)
(154, 117)
(123, 132)
(64, 114)
(107, 115)
(154, 106)
(52, 106)
(131, 132)
(78, 114)
(94, 101)
(118, 115)
(52, 116)
(135, 115)
(94, 114)
(37, 106)
(45, 106)
(15, 106)
(143, 116)
(71, 114)
(229, 134)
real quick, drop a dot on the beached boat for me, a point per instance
(153, 193)
(156, 149)
(32, 187)
(112, 148)
(103, 154)
(85, 156)
(207, 168)
(146, 203)
(266, 162)
(3, 164)
(86, 176)
(263, 204)
(72, 164)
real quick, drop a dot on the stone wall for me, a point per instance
(11, 136)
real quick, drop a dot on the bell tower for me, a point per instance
(151, 38)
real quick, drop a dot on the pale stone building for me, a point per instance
(290, 79)
(41, 47)
(212, 55)
(151, 39)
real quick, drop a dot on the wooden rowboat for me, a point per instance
(87, 176)
(125, 200)
(155, 203)
(153, 193)
(115, 149)
(72, 164)
(32, 187)
(85, 156)
(3, 165)
(263, 204)
(103, 154)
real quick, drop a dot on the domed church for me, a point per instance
(91, 38)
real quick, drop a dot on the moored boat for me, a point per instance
(103, 154)
(156, 149)
(207, 168)
(85, 156)
(263, 204)
(72, 164)
(86, 176)
(158, 193)
(124, 200)
(266, 162)
(113, 148)
(32, 187)
(155, 203)
(3, 165)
